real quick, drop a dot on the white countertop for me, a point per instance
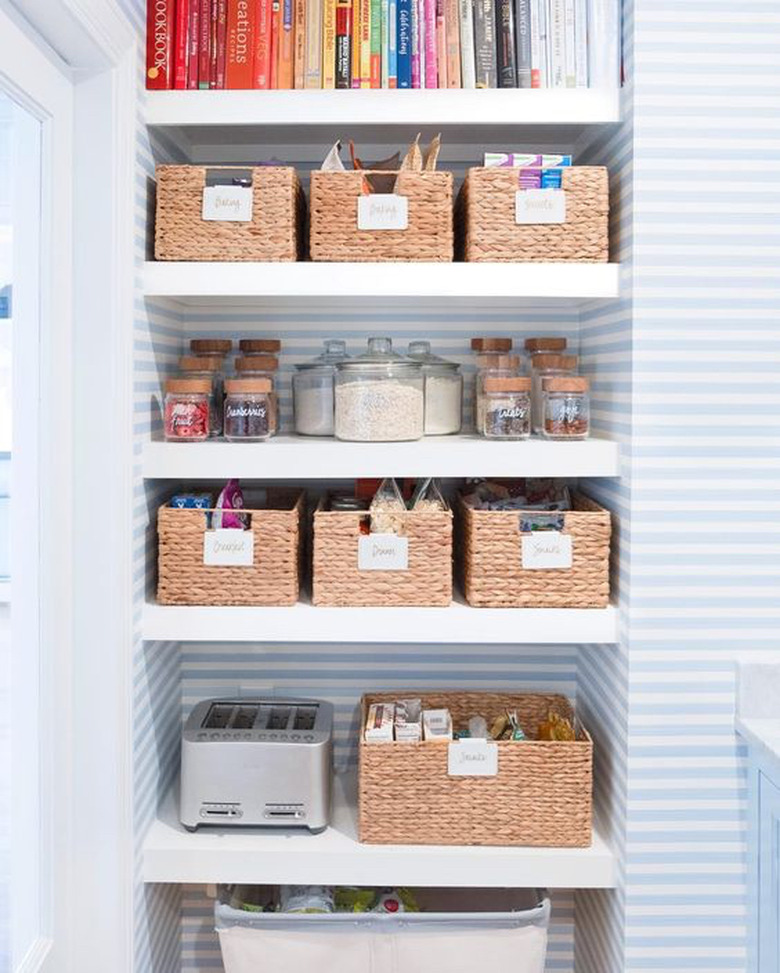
(762, 734)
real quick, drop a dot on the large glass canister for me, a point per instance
(313, 386)
(443, 390)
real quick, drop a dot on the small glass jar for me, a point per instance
(379, 396)
(547, 366)
(208, 367)
(312, 384)
(247, 410)
(566, 408)
(491, 365)
(543, 346)
(507, 409)
(262, 366)
(443, 390)
(186, 410)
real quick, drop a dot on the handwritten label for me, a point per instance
(229, 548)
(384, 211)
(472, 758)
(546, 549)
(540, 206)
(227, 204)
(383, 552)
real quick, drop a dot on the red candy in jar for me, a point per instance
(187, 409)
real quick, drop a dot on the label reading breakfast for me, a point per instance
(540, 206)
(384, 211)
(229, 548)
(383, 552)
(472, 758)
(546, 549)
(227, 204)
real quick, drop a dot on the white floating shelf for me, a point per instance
(459, 624)
(298, 457)
(335, 857)
(405, 284)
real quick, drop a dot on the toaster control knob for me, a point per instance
(309, 737)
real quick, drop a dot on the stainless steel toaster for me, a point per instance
(257, 763)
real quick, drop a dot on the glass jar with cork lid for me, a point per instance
(208, 367)
(492, 365)
(566, 407)
(186, 410)
(507, 408)
(547, 366)
(262, 366)
(248, 403)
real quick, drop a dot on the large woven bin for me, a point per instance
(275, 232)
(334, 233)
(493, 574)
(337, 580)
(273, 578)
(487, 231)
(541, 795)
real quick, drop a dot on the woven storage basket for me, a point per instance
(334, 205)
(487, 231)
(541, 796)
(338, 581)
(493, 572)
(273, 579)
(275, 232)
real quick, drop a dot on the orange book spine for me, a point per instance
(355, 61)
(299, 75)
(329, 44)
(263, 44)
(276, 29)
(287, 46)
(240, 45)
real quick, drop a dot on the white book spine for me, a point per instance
(536, 46)
(569, 46)
(581, 42)
(467, 63)
(556, 43)
(604, 43)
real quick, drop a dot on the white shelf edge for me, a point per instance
(172, 855)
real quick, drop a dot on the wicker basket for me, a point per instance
(274, 234)
(541, 796)
(273, 579)
(492, 560)
(487, 231)
(334, 234)
(337, 580)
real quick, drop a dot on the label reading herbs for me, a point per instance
(472, 758)
(540, 206)
(383, 552)
(383, 211)
(546, 549)
(229, 548)
(227, 204)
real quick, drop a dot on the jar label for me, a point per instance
(383, 211)
(540, 206)
(229, 548)
(546, 549)
(227, 204)
(472, 758)
(383, 552)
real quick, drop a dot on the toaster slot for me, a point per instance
(218, 716)
(245, 717)
(305, 718)
(278, 718)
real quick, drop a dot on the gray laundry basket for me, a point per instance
(459, 931)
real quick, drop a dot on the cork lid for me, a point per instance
(257, 363)
(492, 360)
(566, 362)
(211, 346)
(491, 344)
(237, 386)
(536, 345)
(574, 384)
(514, 384)
(200, 363)
(260, 346)
(181, 386)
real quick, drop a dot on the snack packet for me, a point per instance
(387, 508)
(309, 899)
(230, 498)
(427, 496)
(332, 161)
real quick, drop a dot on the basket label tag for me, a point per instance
(229, 548)
(228, 204)
(383, 552)
(383, 211)
(472, 758)
(546, 549)
(540, 206)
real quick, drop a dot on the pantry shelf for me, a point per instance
(171, 854)
(405, 284)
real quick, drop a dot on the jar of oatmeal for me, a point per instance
(186, 409)
(566, 408)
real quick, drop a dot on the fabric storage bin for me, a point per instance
(273, 578)
(491, 551)
(460, 931)
(274, 233)
(338, 580)
(334, 233)
(488, 231)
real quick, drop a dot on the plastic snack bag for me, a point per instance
(309, 899)
(230, 498)
(428, 496)
(332, 162)
(387, 508)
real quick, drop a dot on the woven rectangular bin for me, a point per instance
(487, 230)
(334, 233)
(493, 572)
(273, 578)
(541, 795)
(275, 232)
(337, 580)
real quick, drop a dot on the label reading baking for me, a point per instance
(227, 204)
(229, 548)
(385, 211)
(540, 206)
(383, 552)
(472, 758)
(546, 549)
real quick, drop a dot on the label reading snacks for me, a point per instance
(383, 211)
(540, 206)
(383, 552)
(227, 204)
(229, 548)
(472, 758)
(546, 549)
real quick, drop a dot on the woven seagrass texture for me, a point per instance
(273, 579)
(487, 231)
(334, 234)
(493, 572)
(337, 580)
(541, 796)
(275, 232)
